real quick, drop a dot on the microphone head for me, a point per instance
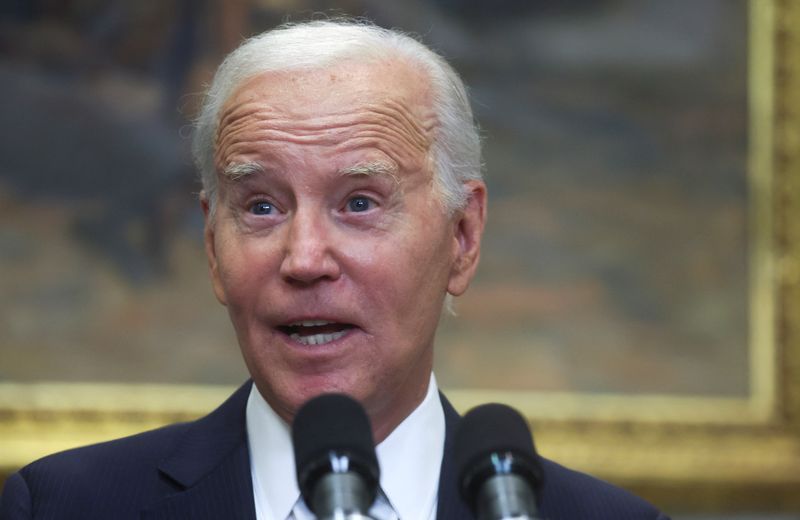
(493, 439)
(331, 433)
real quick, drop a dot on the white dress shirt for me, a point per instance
(410, 460)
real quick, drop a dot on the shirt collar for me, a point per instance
(271, 460)
(410, 459)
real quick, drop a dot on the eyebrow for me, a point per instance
(236, 171)
(371, 168)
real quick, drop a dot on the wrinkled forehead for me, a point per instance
(346, 86)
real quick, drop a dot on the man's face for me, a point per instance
(334, 256)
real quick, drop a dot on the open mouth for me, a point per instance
(315, 332)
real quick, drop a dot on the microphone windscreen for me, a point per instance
(332, 423)
(494, 428)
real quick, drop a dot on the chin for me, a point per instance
(293, 395)
(313, 387)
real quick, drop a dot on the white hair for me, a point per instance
(455, 150)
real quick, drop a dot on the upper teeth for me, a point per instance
(314, 339)
(310, 323)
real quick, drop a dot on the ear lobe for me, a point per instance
(209, 239)
(468, 229)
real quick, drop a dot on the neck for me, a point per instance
(389, 416)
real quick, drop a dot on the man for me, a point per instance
(343, 204)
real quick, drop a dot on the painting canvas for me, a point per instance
(615, 258)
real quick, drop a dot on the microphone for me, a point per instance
(498, 471)
(337, 470)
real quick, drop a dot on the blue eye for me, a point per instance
(358, 204)
(261, 208)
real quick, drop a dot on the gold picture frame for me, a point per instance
(697, 453)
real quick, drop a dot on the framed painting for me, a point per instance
(639, 294)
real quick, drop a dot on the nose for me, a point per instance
(309, 255)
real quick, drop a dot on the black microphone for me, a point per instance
(498, 471)
(337, 470)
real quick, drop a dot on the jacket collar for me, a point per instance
(210, 467)
(450, 507)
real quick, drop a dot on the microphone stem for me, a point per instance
(506, 497)
(342, 496)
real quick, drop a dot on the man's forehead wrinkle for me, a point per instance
(259, 120)
(232, 151)
(418, 132)
(389, 138)
(238, 115)
(421, 124)
(252, 97)
(234, 121)
(379, 123)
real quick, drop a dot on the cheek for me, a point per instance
(414, 277)
(242, 266)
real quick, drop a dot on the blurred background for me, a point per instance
(615, 135)
(616, 139)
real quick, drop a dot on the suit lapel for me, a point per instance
(450, 507)
(208, 474)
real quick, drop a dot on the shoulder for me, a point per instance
(566, 494)
(119, 478)
(126, 454)
(99, 478)
(570, 494)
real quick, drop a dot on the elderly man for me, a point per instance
(343, 204)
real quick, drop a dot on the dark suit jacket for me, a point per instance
(201, 470)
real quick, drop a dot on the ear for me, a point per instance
(209, 237)
(468, 230)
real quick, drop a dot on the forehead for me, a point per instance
(337, 88)
(327, 115)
